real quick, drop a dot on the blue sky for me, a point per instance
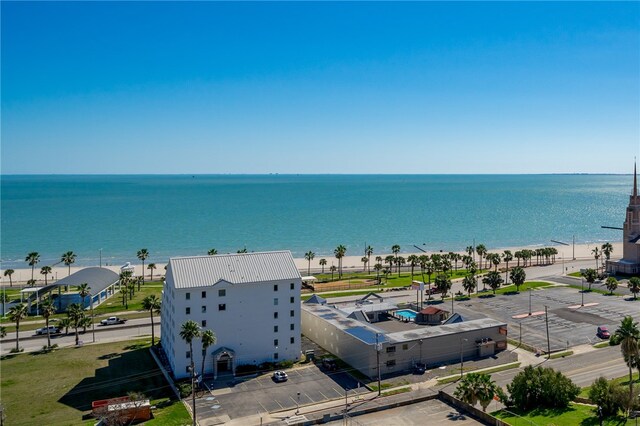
(320, 87)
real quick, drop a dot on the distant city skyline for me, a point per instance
(319, 88)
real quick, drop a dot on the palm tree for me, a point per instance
(339, 252)
(68, 258)
(469, 283)
(413, 262)
(607, 249)
(83, 291)
(390, 260)
(45, 270)
(152, 304)
(143, 254)
(590, 275)
(470, 251)
(3, 299)
(64, 323)
(332, 269)
(495, 260)
(212, 252)
(76, 316)
(395, 249)
(16, 314)
(486, 389)
(364, 261)
(481, 250)
(190, 330)
(400, 261)
(493, 280)
(323, 263)
(629, 336)
(151, 267)
(309, 256)
(208, 339)
(443, 284)
(368, 252)
(429, 269)
(634, 286)
(8, 273)
(596, 254)
(242, 250)
(518, 276)
(47, 308)
(507, 256)
(3, 331)
(377, 267)
(611, 284)
(32, 258)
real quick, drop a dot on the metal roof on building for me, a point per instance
(97, 278)
(240, 268)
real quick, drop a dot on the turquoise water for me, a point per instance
(188, 215)
(408, 314)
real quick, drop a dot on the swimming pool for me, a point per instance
(407, 314)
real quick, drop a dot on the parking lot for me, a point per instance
(306, 385)
(569, 323)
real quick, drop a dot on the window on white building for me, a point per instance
(275, 342)
(293, 286)
(204, 323)
(275, 302)
(204, 309)
(187, 311)
(222, 307)
(275, 328)
(292, 299)
(292, 340)
(222, 292)
(391, 349)
(275, 355)
(188, 296)
(391, 363)
(292, 327)
(275, 287)
(275, 315)
(188, 354)
(204, 294)
(292, 313)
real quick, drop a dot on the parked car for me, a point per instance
(603, 332)
(52, 329)
(280, 376)
(419, 368)
(112, 321)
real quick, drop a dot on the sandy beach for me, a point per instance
(349, 262)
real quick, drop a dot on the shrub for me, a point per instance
(611, 397)
(614, 340)
(284, 364)
(541, 387)
(184, 389)
(245, 369)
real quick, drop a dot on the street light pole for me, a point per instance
(101, 258)
(582, 291)
(93, 320)
(529, 301)
(378, 364)
(298, 405)
(193, 391)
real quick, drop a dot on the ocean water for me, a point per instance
(188, 215)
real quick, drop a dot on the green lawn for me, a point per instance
(106, 309)
(574, 415)
(624, 381)
(58, 387)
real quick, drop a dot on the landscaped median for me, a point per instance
(58, 387)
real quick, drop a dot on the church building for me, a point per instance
(630, 262)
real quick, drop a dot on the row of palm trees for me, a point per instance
(68, 258)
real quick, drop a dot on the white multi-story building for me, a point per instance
(251, 301)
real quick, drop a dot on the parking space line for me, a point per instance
(276, 401)
(307, 395)
(263, 407)
(323, 395)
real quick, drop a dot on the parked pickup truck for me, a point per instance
(112, 321)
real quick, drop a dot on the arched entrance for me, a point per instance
(223, 362)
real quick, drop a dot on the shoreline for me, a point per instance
(349, 262)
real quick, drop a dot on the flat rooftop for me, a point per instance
(386, 330)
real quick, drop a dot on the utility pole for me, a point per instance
(582, 291)
(574, 247)
(461, 357)
(546, 320)
(378, 364)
